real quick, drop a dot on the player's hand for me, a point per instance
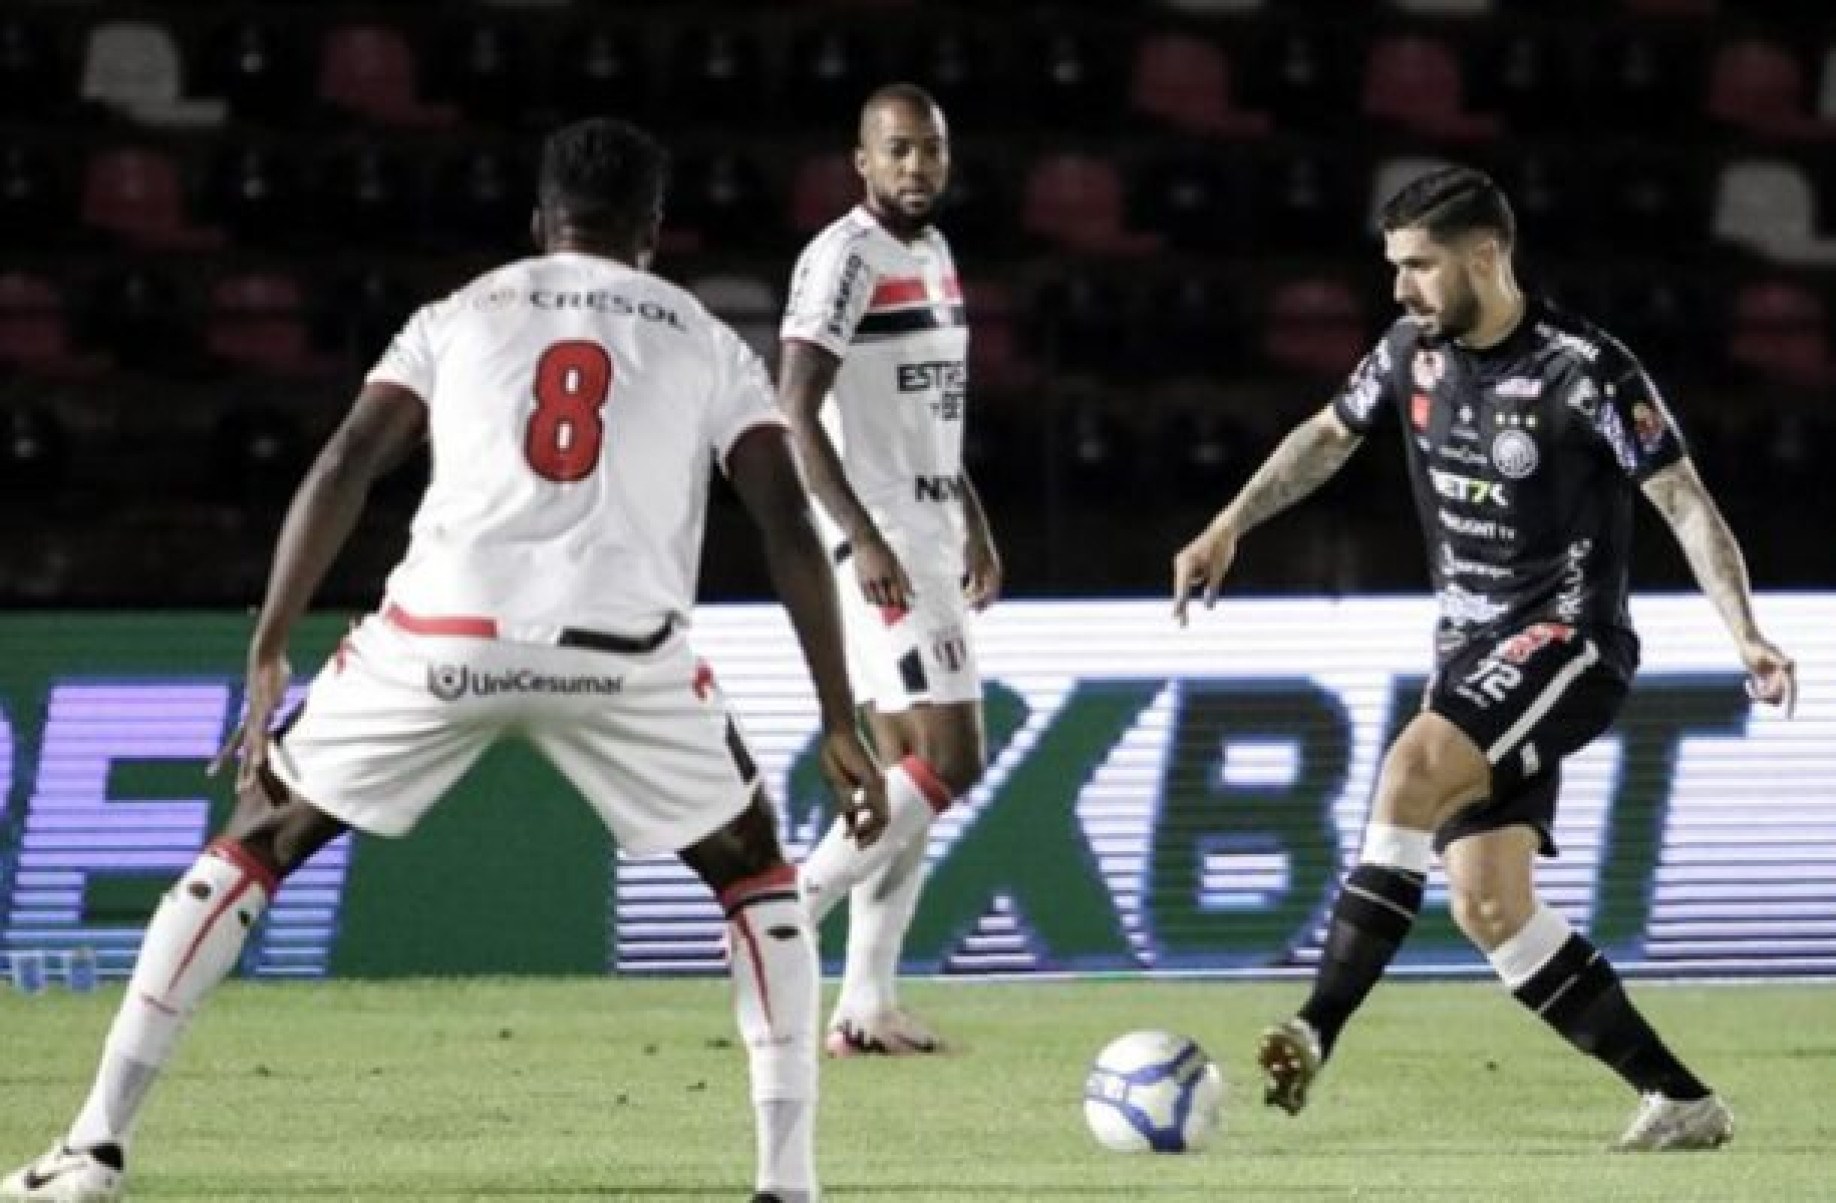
(1772, 676)
(882, 577)
(982, 571)
(1202, 563)
(858, 785)
(267, 685)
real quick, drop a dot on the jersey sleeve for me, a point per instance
(742, 394)
(830, 290)
(1369, 392)
(409, 360)
(1621, 407)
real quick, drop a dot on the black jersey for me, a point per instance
(1525, 458)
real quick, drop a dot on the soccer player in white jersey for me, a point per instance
(875, 324)
(575, 405)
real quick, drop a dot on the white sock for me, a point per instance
(880, 912)
(776, 980)
(915, 795)
(194, 941)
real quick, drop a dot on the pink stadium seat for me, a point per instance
(138, 196)
(370, 71)
(33, 332)
(996, 362)
(825, 187)
(257, 321)
(1186, 82)
(1758, 86)
(1315, 328)
(1416, 82)
(1781, 334)
(1077, 201)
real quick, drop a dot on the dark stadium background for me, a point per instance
(213, 215)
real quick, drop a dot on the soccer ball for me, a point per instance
(1153, 1092)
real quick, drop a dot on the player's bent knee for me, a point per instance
(745, 848)
(279, 829)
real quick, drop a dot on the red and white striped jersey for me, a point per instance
(892, 311)
(575, 408)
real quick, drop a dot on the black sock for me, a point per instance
(1579, 995)
(1371, 918)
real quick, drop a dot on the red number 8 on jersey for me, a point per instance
(572, 381)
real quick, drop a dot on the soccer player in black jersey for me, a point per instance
(1527, 432)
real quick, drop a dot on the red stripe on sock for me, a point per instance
(744, 928)
(223, 904)
(929, 784)
(239, 856)
(775, 878)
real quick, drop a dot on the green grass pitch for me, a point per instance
(596, 1090)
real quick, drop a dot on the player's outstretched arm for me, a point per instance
(1714, 557)
(1303, 461)
(384, 424)
(764, 474)
(806, 373)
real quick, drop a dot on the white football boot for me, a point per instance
(65, 1175)
(1664, 1125)
(892, 1032)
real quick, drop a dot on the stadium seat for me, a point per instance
(1415, 83)
(725, 200)
(1203, 452)
(127, 64)
(137, 195)
(371, 73)
(1670, 8)
(1656, 203)
(830, 68)
(1757, 87)
(1547, 197)
(1528, 75)
(1768, 206)
(825, 187)
(1101, 450)
(255, 452)
(34, 332)
(748, 305)
(1214, 8)
(1186, 83)
(373, 307)
(1781, 335)
(1195, 326)
(1077, 202)
(718, 74)
(1443, 8)
(997, 362)
(1315, 328)
(34, 450)
(1644, 78)
(257, 321)
(978, 208)
(600, 68)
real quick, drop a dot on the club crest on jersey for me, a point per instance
(446, 681)
(1514, 454)
(1428, 368)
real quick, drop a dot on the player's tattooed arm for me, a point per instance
(1714, 557)
(1303, 461)
(806, 373)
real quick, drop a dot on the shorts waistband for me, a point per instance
(479, 627)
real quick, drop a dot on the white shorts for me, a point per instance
(897, 661)
(395, 719)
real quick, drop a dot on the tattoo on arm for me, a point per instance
(1714, 557)
(1304, 461)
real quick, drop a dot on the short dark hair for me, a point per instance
(1449, 202)
(604, 175)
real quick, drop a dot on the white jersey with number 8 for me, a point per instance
(575, 408)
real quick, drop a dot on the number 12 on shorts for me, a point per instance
(573, 379)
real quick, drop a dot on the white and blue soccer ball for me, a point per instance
(1153, 1092)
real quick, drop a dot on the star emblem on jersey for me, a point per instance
(1514, 454)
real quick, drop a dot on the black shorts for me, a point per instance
(1529, 700)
